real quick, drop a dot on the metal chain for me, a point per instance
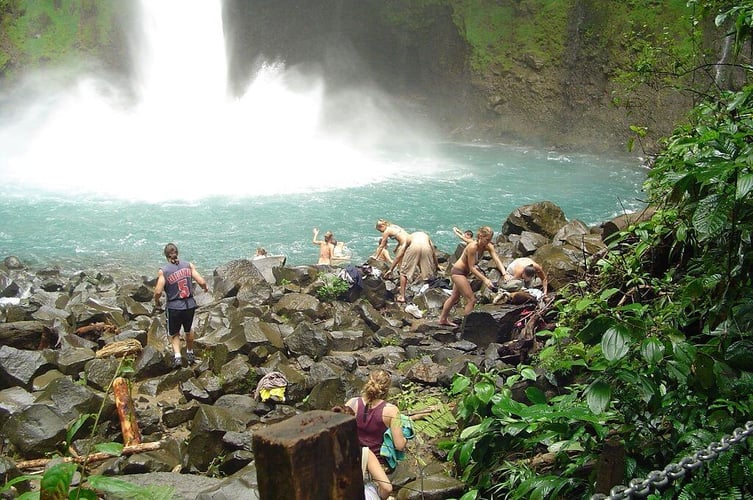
(661, 478)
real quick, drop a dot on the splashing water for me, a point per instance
(184, 126)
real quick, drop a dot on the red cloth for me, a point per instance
(370, 426)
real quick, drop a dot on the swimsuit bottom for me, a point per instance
(457, 272)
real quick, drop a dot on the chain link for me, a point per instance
(658, 479)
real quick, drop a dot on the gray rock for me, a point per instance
(71, 360)
(309, 341)
(435, 487)
(71, 400)
(36, 430)
(241, 485)
(19, 367)
(13, 400)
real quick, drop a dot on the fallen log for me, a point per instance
(28, 335)
(93, 457)
(124, 404)
(97, 328)
(120, 348)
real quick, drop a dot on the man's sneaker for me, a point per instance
(190, 358)
(177, 363)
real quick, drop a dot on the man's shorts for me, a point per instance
(177, 318)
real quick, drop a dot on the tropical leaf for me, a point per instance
(598, 396)
(614, 343)
(124, 490)
(652, 350)
(744, 185)
(484, 391)
(57, 480)
(710, 217)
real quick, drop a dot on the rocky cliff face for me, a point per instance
(531, 71)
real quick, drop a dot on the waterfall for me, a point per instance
(722, 70)
(184, 128)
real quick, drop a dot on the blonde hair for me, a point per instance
(485, 231)
(381, 222)
(377, 386)
(171, 253)
(328, 236)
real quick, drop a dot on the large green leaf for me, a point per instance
(710, 217)
(535, 395)
(484, 391)
(460, 384)
(744, 185)
(594, 329)
(57, 480)
(652, 350)
(598, 396)
(615, 343)
(740, 355)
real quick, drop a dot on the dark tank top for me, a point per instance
(179, 286)
(370, 425)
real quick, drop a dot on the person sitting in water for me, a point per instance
(526, 269)
(465, 265)
(326, 247)
(260, 253)
(466, 236)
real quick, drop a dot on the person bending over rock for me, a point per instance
(465, 266)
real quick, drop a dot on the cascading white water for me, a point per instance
(184, 137)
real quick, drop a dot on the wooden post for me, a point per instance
(126, 413)
(311, 456)
(611, 466)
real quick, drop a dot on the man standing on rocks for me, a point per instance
(176, 280)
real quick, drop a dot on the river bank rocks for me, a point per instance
(56, 328)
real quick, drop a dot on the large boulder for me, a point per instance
(230, 278)
(563, 264)
(544, 218)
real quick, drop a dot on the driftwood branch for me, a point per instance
(97, 328)
(93, 457)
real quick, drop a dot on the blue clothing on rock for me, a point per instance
(391, 454)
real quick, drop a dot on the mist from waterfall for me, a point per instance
(184, 136)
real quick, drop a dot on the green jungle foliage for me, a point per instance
(653, 350)
(502, 34)
(57, 482)
(34, 33)
(332, 287)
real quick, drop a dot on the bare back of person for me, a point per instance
(517, 266)
(325, 253)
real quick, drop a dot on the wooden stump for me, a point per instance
(311, 456)
(124, 404)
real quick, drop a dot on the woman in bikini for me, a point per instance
(466, 265)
